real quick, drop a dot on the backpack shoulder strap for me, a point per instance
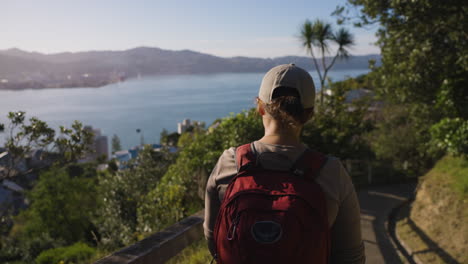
(309, 164)
(245, 156)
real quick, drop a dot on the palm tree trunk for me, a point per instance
(324, 75)
(317, 68)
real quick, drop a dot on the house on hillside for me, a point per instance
(6, 163)
(11, 197)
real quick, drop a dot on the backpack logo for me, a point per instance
(266, 232)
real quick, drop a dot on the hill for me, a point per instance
(20, 69)
(436, 228)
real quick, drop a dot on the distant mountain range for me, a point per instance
(22, 70)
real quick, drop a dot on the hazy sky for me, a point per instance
(265, 28)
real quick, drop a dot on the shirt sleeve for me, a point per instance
(223, 171)
(212, 205)
(347, 245)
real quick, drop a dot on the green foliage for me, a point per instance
(451, 135)
(73, 142)
(338, 128)
(169, 139)
(13, 250)
(424, 69)
(424, 55)
(456, 168)
(180, 190)
(116, 146)
(401, 138)
(63, 204)
(24, 136)
(197, 253)
(185, 139)
(76, 253)
(123, 192)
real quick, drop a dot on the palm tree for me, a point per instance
(319, 35)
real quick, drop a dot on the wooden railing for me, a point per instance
(161, 246)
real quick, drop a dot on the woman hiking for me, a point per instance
(275, 200)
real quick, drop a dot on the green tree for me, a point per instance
(169, 139)
(338, 127)
(434, 47)
(24, 136)
(318, 36)
(116, 146)
(401, 139)
(63, 205)
(180, 190)
(123, 192)
(73, 143)
(451, 135)
(422, 79)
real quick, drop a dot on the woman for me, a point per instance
(285, 103)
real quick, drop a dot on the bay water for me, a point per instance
(149, 104)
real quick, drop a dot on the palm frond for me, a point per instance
(324, 33)
(307, 36)
(344, 39)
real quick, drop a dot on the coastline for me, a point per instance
(98, 83)
(40, 86)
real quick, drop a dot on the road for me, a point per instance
(376, 205)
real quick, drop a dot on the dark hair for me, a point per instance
(287, 108)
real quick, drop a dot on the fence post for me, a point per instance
(369, 172)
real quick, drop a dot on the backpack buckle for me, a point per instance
(298, 172)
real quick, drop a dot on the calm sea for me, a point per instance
(148, 104)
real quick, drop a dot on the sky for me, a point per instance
(263, 28)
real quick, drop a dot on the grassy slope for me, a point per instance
(440, 211)
(197, 253)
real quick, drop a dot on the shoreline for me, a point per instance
(40, 86)
(35, 85)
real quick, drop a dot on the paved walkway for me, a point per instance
(376, 205)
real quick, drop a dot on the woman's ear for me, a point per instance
(260, 107)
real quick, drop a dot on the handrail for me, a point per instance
(161, 246)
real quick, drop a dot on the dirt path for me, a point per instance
(376, 204)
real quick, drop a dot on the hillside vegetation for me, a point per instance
(437, 230)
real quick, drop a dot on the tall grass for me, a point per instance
(197, 253)
(456, 168)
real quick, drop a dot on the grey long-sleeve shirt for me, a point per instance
(342, 203)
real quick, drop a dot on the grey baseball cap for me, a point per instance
(288, 75)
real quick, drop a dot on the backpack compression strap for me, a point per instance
(245, 157)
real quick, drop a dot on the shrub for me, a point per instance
(401, 138)
(63, 203)
(75, 253)
(451, 135)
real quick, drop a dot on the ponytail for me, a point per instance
(287, 108)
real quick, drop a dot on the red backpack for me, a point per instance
(270, 216)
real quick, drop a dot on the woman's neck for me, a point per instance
(276, 134)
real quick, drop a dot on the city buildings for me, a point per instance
(187, 124)
(99, 147)
(182, 127)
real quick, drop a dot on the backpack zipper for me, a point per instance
(232, 229)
